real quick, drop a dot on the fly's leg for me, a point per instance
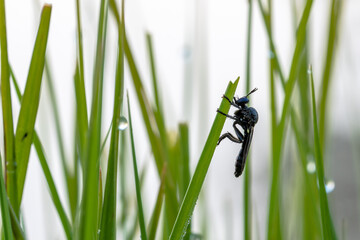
(230, 137)
(226, 115)
(238, 133)
(231, 102)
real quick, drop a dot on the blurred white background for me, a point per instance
(199, 46)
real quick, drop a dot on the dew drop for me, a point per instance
(98, 232)
(271, 54)
(311, 167)
(329, 186)
(123, 123)
(309, 71)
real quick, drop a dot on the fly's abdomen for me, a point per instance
(240, 164)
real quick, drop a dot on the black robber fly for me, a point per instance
(246, 117)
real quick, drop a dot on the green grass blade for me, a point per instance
(108, 218)
(247, 174)
(5, 214)
(335, 11)
(30, 101)
(123, 183)
(274, 208)
(153, 72)
(193, 191)
(17, 230)
(267, 21)
(8, 124)
(327, 224)
(137, 181)
(89, 218)
(184, 165)
(82, 115)
(69, 176)
(52, 188)
(154, 222)
(146, 110)
(106, 138)
(158, 113)
(154, 126)
(48, 176)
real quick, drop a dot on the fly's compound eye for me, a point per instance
(242, 101)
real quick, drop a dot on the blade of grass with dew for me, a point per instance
(45, 167)
(5, 214)
(160, 152)
(311, 226)
(82, 115)
(8, 124)
(108, 218)
(154, 221)
(146, 110)
(151, 120)
(273, 53)
(30, 101)
(89, 218)
(274, 209)
(267, 19)
(136, 175)
(327, 224)
(335, 11)
(193, 191)
(247, 174)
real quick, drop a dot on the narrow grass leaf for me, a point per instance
(193, 191)
(247, 174)
(48, 176)
(82, 115)
(17, 230)
(8, 125)
(6, 221)
(108, 217)
(154, 222)
(137, 181)
(184, 165)
(335, 11)
(89, 221)
(30, 101)
(274, 208)
(153, 72)
(146, 110)
(327, 224)
(106, 138)
(69, 176)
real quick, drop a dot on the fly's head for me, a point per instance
(244, 100)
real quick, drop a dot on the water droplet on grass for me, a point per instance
(329, 186)
(309, 71)
(311, 167)
(271, 54)
(123, 123)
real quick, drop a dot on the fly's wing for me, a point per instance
(241, 159)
